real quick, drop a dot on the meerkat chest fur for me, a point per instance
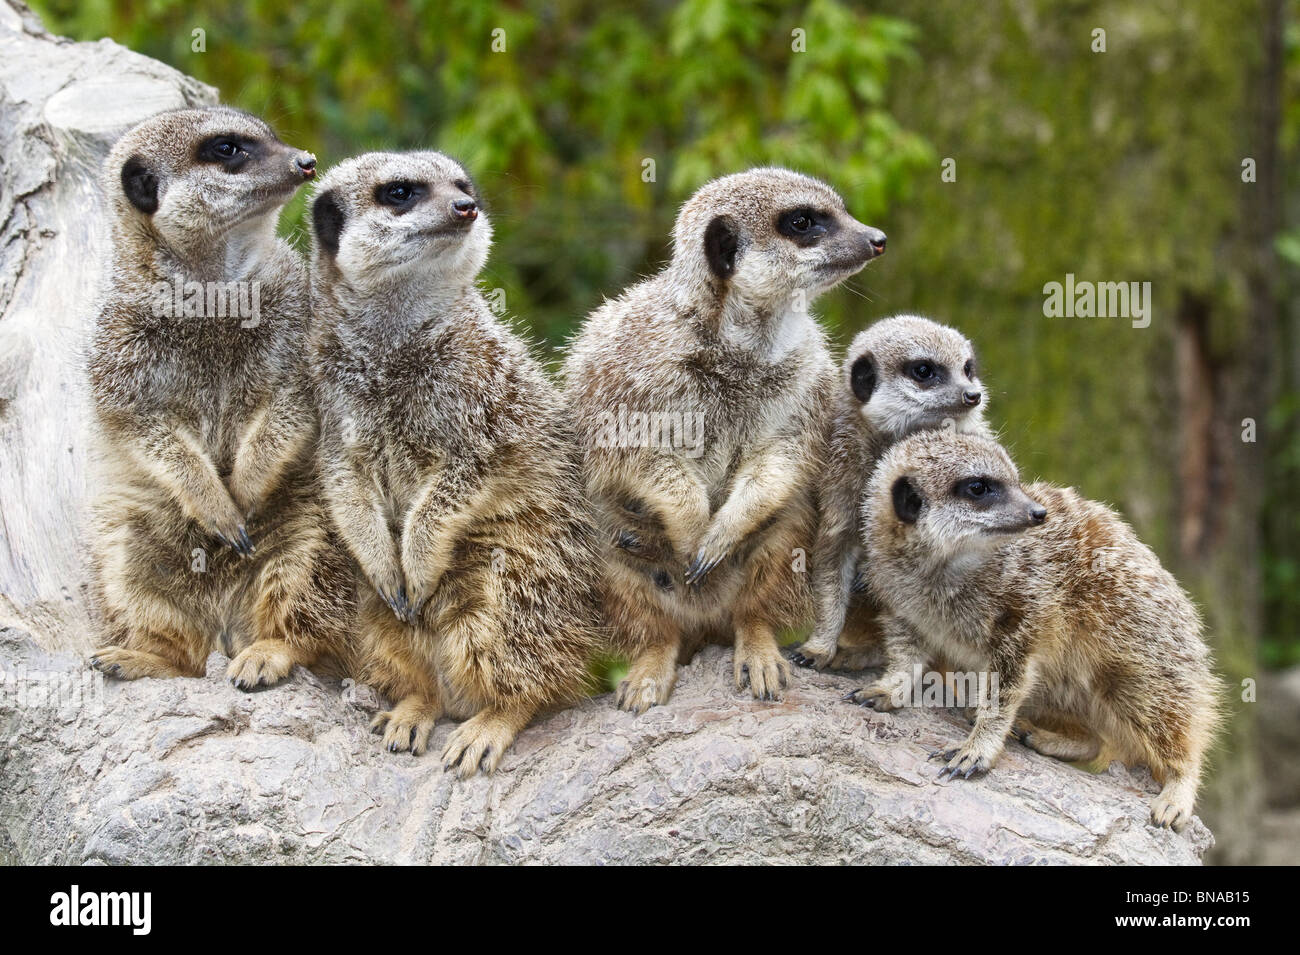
(405, 402)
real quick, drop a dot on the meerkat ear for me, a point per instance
(327, 219)
(721, 240)
(862, 377)
(907, 501)
(140, 185)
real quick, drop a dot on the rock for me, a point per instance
(191, 770)
(62, 105)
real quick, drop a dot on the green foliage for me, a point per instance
(558, 126)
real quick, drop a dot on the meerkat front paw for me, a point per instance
(887, 693)
(965, 761)
(760, 664)
(649, 680)
(478, 743)
(814, 653)
(127, 664)
(407, 725)
(261, 663)
(392, 591)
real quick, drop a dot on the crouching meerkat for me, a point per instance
(209, 531)
(448, 464)
(1052, 593)
(901, 375)
(722, 338)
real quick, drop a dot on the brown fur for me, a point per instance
(449, 467)
(709, 545)
(209, 529)
(879, 401)
(1089, 635)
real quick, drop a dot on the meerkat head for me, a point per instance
(382, 217)
(942, 495)
(909, 374)
(188, 178)
(765, 237)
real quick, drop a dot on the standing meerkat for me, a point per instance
(723, 336)
(902, 375)
(1053, 593)
(209, 532)
(448, 465)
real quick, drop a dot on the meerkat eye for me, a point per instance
(222, 149)
(979, 489)
(923, 371)
(464, 186)
(399, 195)
(804, 226)
(969, 369)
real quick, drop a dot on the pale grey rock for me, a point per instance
(191, 770)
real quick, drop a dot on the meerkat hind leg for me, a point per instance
(481, 741)
(408, 725)
(127, 664)
(758, 660)
(1172, 809)
(265, 662)
(650, 678)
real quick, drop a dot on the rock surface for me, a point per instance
(189, 771)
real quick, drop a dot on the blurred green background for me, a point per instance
(1126, 164)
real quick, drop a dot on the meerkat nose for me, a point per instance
(306, 164)
(464, 209)
(1038, 514)
(876, 239)
(971, 398)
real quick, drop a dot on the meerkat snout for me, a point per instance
(306, 164)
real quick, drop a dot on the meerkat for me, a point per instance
(1052, 593)
(706, 539)
(901, 375)
(449, 467)
(209, 530)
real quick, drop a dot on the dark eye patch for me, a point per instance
(228, 150)
(804, 225)
(925, 372)
(400, 195)
(980, 491)
(465, 186)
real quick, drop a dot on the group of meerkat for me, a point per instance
(376, 477)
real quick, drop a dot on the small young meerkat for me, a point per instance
(449, 466)
(902, 375)
(209, 531)
(708, 533)
(1053, 593)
